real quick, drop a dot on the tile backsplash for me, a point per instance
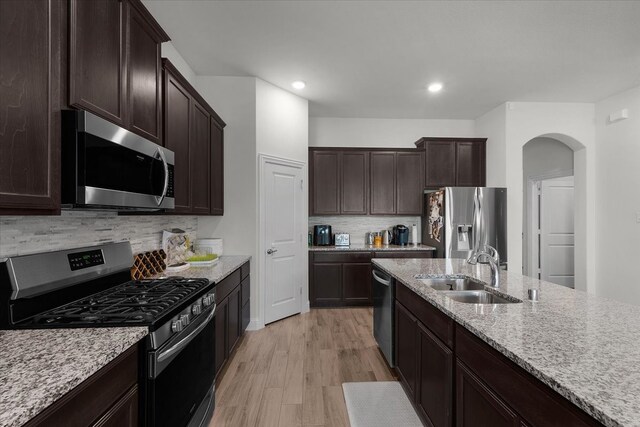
(358, 226)
(21, 235)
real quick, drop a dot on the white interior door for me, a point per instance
(557, 231)
(283, 209)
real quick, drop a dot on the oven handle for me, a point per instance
(186, 340)
(160, 154)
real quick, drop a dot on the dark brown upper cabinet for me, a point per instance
(354, 185)
(409, 183)
(217, 167)
(383, 183)
(177, 113)
(194, 132)
(144, 73)
(114, 63)
(324, 172)
(199, 160)
(361, 181)
(97, 57)
(454, 162)
(30, 47)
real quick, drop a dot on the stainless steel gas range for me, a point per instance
(91, 287)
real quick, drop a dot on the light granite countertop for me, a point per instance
(226, 265)
(363, 247)
(37, 367)
(587, 348)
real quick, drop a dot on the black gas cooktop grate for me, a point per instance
(134, 302)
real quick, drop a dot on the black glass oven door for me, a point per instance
(179, 388)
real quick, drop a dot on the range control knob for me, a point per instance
(184, 319)
(196, 309)
(207, 300)
(176, 326)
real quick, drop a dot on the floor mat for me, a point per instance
(379, 404)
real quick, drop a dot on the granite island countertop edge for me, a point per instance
(609, 416)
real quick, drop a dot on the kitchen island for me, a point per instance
(39, 367)
(583, 347)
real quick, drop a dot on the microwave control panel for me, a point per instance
(81, 260)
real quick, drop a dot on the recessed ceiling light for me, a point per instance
(435, 87)
(298, 84)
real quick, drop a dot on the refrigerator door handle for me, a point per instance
(476, 222)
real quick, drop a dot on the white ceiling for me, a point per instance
(374, 58)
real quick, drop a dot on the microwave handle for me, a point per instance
(160, 154)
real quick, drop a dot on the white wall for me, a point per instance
(282, 123)
(234, 99)
(618, 190)
(572, 124)
(542, 156)
(170, 52)
(346, 132)
(493, 126)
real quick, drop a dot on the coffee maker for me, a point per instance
(322, 235)
(400, 235)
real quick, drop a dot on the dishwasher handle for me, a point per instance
(379, 279)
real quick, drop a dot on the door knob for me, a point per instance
(271, 251)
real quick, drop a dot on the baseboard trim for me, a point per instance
(255, 325)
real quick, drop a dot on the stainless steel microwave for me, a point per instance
(105, 166)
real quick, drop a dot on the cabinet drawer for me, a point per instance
(83, 405)
(520, 390)
(437, 322)
(226, 285)
(245, 270)
(404, 254)
(342, 257)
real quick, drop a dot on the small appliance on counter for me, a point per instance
(342, 239)
(387, 238)
(369, 237)
(322, 235)
(400, 235)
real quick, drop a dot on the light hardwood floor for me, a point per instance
(291, 372)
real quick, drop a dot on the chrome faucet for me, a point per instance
(493, 258)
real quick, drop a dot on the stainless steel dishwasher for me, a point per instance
(384, 294)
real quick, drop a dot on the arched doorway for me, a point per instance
(553, 245)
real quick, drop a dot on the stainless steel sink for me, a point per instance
(453, 284)
(479, 297)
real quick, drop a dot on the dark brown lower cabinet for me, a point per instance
(107, 398)
(221, 334)
(245, 290)
(425, 367)
(490, 389)
(477, 405)
(407, 349)
(234, 318)
(326, 284)
(232, 313)
(340, 279)
(435, 379)
(343, 279)
(356, 283)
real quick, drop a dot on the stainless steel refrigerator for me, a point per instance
(458, 220)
